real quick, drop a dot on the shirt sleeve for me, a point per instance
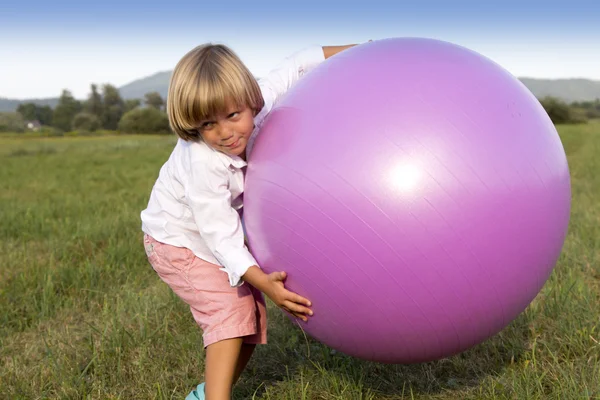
(280, 79)
(218, 223)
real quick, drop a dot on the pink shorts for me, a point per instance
(221, 311)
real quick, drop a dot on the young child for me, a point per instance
(193, 233)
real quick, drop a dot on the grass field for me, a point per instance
(83, 316)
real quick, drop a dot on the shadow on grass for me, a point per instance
(291, 359)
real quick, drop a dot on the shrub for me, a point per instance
(85, 121)
(144, 121)
(50, 131)
(11, 122)
(560, 112)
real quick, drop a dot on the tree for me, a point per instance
(28, 111)
(145, 120)
(32, 112)
(86, 121)
(130, 104)
(44, 115)
(11, 122)
(153, 99)
(66, 109)
(114, 107)
(560, 112)
(94, 104)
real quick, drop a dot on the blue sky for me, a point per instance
(47, 46)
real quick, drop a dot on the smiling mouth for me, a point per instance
(234, 144)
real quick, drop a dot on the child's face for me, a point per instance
(230, 131)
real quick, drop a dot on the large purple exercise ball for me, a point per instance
(415, 191)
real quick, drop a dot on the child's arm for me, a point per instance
(285, 75)
(329, 51)
(220, 226)
(272, 285)
(281, 78)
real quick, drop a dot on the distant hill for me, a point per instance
(158, 82)
(568, 90)
(12, 104)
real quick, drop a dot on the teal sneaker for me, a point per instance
(197, 394)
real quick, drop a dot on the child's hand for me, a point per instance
(272, 285)
(283, 298)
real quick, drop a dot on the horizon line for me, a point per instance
(573, 78)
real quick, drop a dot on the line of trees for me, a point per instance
(107, 110)
(561, 112)
(102, 110)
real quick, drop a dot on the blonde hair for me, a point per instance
(203, 84)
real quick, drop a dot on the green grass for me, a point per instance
(83, 316)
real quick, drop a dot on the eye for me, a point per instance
(206, 125)
(233, 114)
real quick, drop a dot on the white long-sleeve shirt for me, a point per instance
(196, 198)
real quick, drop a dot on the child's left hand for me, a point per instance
(285, 299)
(273, 286)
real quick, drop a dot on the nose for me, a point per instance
(226, 131)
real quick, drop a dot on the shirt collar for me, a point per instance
(228, 160)
(236, 161)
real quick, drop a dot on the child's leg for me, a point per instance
(260, 337)
(226, 315)
(221, 365)
(225, 362)
(245, 355)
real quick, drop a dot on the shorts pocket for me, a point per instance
(149, 248)
(167, 259)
